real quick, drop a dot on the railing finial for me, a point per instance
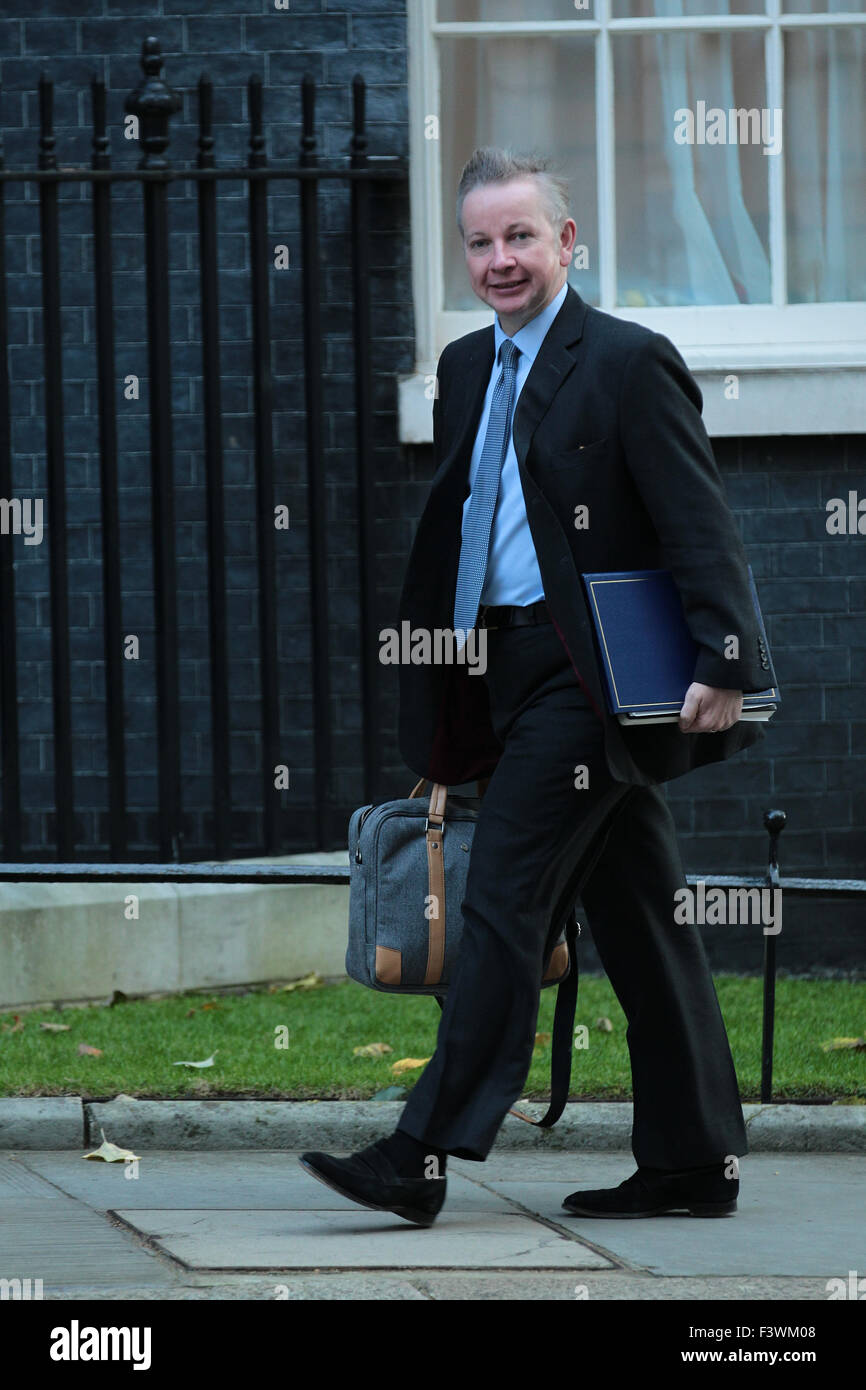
(774, 824)
(154, 102)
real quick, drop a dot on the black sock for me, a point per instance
(705, 1168)
(411, 1156)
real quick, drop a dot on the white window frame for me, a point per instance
(801, 368)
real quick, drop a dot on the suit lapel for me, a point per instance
(437, 541)
(555, 359)
(474, 371)
(551, 367)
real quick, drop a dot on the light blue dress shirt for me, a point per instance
(512, 574)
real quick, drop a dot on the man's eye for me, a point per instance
(476, 245)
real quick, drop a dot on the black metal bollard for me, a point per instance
(774, 822)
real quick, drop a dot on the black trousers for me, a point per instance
(554, 825)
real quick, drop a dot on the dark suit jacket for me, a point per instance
(609, 417)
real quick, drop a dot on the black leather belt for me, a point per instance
(512, 614)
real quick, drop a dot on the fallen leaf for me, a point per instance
(110, 1152)
(16, 1027)
(836, 1044)
(604, 1025)
(208, 1063)
(372, 1050)
(212, 1005)
(541, 1039)
(85, 1050)
(189, 1013)
(390, 1093)
(311, 981)
(408, 1064)
(55, 1027)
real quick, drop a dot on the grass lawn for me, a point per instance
(141, 1039)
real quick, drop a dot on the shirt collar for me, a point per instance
(530, 337)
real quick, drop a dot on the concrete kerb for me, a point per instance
(67, 1122)
(35, 1122)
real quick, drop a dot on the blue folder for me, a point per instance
(647, 652)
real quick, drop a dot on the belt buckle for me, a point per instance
(482, 618)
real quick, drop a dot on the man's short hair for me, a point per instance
(493, 164)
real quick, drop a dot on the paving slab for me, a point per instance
(249, 1288)
(19, 1179)
(47, 1234)
(613, 1285)
(63, 1242)
(357, 1239)
(464, 1286)
(252, 1225)
(255, 1180)
(797, 1215)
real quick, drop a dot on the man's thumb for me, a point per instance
(690, 710)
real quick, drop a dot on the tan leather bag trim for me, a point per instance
(558, 964)
(436, 883)
(389, 965)
(436, 873)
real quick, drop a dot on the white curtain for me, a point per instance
(710, 67)
(825, 130)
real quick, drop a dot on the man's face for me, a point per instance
(516, 261)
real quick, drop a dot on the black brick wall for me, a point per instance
(812, 587)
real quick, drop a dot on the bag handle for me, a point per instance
(421, 784)
(434, 828)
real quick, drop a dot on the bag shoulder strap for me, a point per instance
(563, 1033)
(563, 1030)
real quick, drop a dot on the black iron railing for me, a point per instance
(153, 103)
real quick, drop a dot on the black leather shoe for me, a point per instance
(652, 1192)
(369, 1178)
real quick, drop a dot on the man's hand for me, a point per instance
(709, 710)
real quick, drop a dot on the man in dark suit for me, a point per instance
(567, 440)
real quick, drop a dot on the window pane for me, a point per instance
(534, 95)
(469, 11)
(646, 9)
(692, 217)
(823, 6)
(825, 177)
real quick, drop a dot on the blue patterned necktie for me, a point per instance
(479, 517)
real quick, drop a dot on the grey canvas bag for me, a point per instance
(408, 865)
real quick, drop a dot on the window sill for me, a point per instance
(774, 398)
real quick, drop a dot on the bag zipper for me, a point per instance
(364, 814)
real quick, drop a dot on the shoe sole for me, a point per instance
(695, 1209)
(417, 1218)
